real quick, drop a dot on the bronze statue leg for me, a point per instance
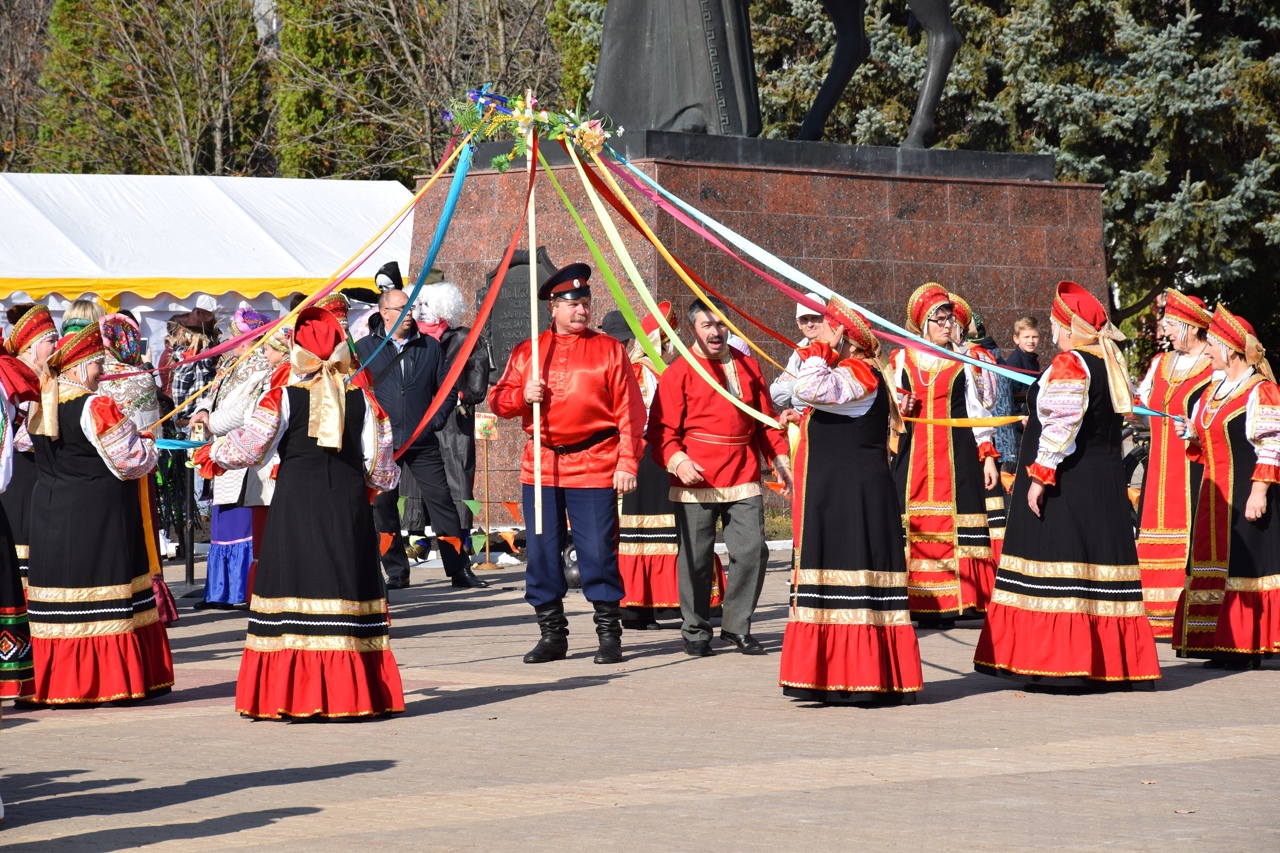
(852, 49)
(935, 17)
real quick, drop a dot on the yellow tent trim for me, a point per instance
(110, 289)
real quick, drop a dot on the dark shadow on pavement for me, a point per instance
(67, 805)
(132, 837)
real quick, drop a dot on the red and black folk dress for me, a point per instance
(1231, 605)
(1170, 485)
(318, 642)
(939, 478)
(17, 679)
(647, 532)
(96, 635)
(849, 635)
(1067, 607)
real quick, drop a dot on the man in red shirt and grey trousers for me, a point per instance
(712, 450)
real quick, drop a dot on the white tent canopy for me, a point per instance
(162, 244)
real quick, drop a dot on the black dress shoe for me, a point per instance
(204, 604)
(397, 583)
(698, 648)
(746, 643)
(466, 579)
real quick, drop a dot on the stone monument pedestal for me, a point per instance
(871, 223)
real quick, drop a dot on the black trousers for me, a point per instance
(426, 466)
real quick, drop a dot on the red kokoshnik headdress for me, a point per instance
(72, 351)
(1080, 313)
(924, 302)
(337, 305)
(31, 328)
(1186, 309)
(961, 310)
(1237, 334)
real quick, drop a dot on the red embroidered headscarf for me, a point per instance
(924, 302)
(1237, 334)
(1186, 309)
(321, 359)
(1080, 313)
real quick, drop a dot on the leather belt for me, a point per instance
(586, 444)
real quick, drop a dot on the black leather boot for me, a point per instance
(554, 644)
(609, 629)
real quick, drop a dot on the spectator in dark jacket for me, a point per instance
(406, 374)
(439, 313)
(1026, 337)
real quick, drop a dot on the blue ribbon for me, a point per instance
(446, 214)
(178, 444)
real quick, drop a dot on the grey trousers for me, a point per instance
(748, 555)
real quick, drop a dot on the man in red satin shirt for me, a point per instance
(712, 449)
(592, 436)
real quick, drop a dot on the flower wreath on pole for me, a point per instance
(588, 133)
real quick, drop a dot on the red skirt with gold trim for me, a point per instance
(1044, 646)
(298, 683)
(108, 668)
(831, 662)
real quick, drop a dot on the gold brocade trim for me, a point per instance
(844, 577)
(712, 495)
(995, 503)
(849, 688)
(974, 519)
(1175, 565)
(996, 534)
(318, 712)
(303, 643)
(973, 552)
(319, 606)
(1081, 674)
(1205, 596)
(86, 700)
(930, 536)
(647, 521)
(59, 594)
(917, 510)
(914, 566)
(850, 616)
(23, 551)
(1161, 593)
(1154, 535)
(1087, 571)
(1086, 606)
(105, 628)
(1266, 583)
(648, 549)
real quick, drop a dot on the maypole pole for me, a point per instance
(530, 156)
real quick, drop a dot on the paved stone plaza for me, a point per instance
(662, 752)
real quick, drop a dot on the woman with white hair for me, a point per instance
(439, 311)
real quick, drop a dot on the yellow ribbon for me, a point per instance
(328, 405)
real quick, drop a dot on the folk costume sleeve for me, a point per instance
(235, 407)
(21, 438)
(979, 397)
(380, 469)
(127, 454)
(1262, 427)
(507, 397)
(1064, 396)
(666, 418)
(253, 443)
(7, 413)
(841, 387)
(770, 443)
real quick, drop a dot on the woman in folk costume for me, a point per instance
(647, 526)
(31, 339)
(1230, 610)
(318, 642)
(240, 497)
(985, 385)
(1067, 607)
(1171, 480)
(849, 636)
(134, 391)
(95, 632)
(18, 385)
(943, 472)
